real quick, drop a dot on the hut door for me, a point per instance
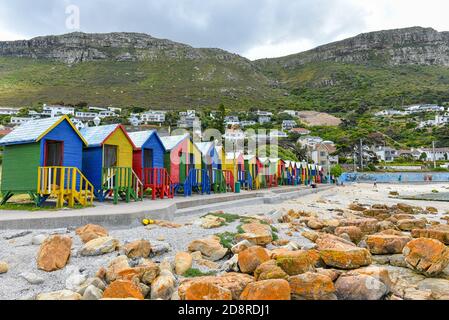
(110, 156)
(191, 161)
(182, 167)
(148, 158)
(54, 153)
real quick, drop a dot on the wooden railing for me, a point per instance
(159, 181)
(229, 178)
(122, 180)
(65, 184)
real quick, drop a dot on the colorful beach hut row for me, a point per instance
(50, 158)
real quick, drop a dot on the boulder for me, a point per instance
(123, 289)
(3, 267)
(312, 286)
(432, 210)
(356, 207)
(298, 262)
(115, 267)
(269, 270)
(210, 248)
(242, 245)
(310, 235)
(54, 253)
(183, 262)
(380, 273)
(385, 225)
(410, 224)
(137, 249)
(32, 278)
(428, 256)
(439, 288)
(256, 233)
(440, 233)
(315, 224)
(406, 208)
(360, 287)
(90, 232)
(163, 286)
(59, 295)
(277, 289)
(211, 222)
(386, 244)
(204, 290)
(367, 225)
(235, 282)
(92, 293)
(354, 233)
(100, 246)
(251, 258)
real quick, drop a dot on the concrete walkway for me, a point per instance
(131, 214)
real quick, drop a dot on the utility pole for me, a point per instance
(361, 154)
(434, 155)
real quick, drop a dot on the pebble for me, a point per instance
(32, 278)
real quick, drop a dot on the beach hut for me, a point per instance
(274, 169)
(108, 163)
(183, 163)
(289, 172)
(235, 163)
(148, 163)
(252, 167)
(211, 162)
(43, 158)
(298, 173)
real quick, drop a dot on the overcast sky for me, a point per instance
(252, 28)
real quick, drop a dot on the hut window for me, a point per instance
(54, 152)
(110, 156)
(148, 158)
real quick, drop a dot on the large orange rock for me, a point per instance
(342, 254)
(277, 289)
(312, 286)
(367, 225)
(90, 232)
(256, 233)
(428, 256)
(298, 262)
(235, 282)
(183, 262)
(440, 233)
(54, 253)
(353, 232)
(137, 249)
(386, 244)
(410, 224)
(123, 289)
(269, 270)
(210, 248)
(207, 291)
(251, 258)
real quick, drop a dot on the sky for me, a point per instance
(252, 28)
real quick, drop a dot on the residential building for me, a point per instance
(291, 113)
(321, 153)
(386, 113)
(309, 141)
(115, 110)
(288, 124)
(385, 154)
(263, 113)
(57, 110)
(247, 123)
(438, 121)
(232, 120)
(86, 115)
(441, 154)
(107, 114)
(264, 119)
(300, 131)
(19, 120)
(9, 111)
(153, 116)
(97, 109)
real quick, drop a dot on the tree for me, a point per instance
(220, 116)
(336, 171)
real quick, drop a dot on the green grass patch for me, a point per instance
(227, 239)
(230, 218)
(33, 208)
(194, 273)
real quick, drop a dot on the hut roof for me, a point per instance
(171, 142)
(141, 137)
(204, 147)
(249, 157)
(96, 136)
(232, 155)
(35, 130)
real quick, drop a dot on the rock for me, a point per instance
(235, 282)
(196, 255)
(428, 256)
(367, 225)
(312, 286)
(432, 210)
(208, 264)
(183, 262)
(99, 246)
(207, 291)
(32, 278)
(37, 240)
(251, 258)
(298, 262)
(146, 290)
(90, 232)
(167, 224)
(122, 289)
(292, 246)
(242, 245)
(385, 225)
(96, 282)
(160, 248)
(211, 222)
(310, 235)
(277, 289)
(331, 273)
(354, 233)
(137, 249)
(59, 295)
(398, 260)
(410, 224)
(115, 266)
(150, 271)
(440, 233)
(3, 267)
(92, 293)
(74, 281)
(405, 208)
(386, 244)
(342, 254)
(163, 286)
(256, 233)
(439, 288)
(380, 273)
(356, 207)
(360, 287)
(315, 224)
(269, 270)
(54, 253)
(232, 265)
(379, 214)
(210, 248)
(167, 265)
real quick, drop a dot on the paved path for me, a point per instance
(130, 214)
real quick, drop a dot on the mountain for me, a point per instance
(126, 69)
(383, 68)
